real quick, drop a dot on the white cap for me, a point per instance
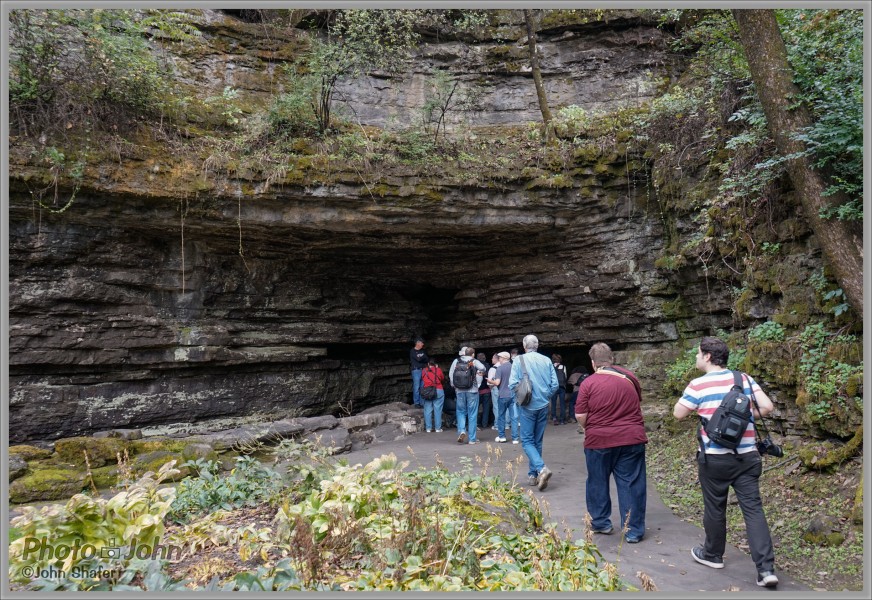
(462, 352)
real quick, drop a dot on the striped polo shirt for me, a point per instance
(704, 395)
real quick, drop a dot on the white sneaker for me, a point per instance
(515, 442)
(438, 431)
(499, 439)
(429, 431)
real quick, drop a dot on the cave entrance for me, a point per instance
(573, 356)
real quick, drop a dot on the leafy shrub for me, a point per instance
(129, 519)
(414, 146)
(291, 113)
(827, 379)
(825, 48)
(679, 373)
(382, 528)
(571, 121)
(770, 331)
(226, 104)
(248, 483)
(75, 66)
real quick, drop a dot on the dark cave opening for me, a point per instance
(438, 304)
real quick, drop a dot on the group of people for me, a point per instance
(526, 424)
(608, 410)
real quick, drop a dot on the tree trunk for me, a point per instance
(537, 73)
(841, 241)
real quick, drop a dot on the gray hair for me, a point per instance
(531, 342)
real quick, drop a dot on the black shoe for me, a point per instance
(766, 579)
(698, 555)
(633, 539)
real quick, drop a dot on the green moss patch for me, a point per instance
(28, 452)
(47, 484)
(100, 450)
(153, 461)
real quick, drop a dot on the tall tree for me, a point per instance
(841, 241)
(537, 72)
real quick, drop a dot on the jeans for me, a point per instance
(742, 471)
(558, 409)
(467, 413)
(485, 401)
(571, 399)
(506, 411)
(434, 408)
(627, 465)
(416, 387)
(532, 433)
(495, 403)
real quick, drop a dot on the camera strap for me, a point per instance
(758, 434)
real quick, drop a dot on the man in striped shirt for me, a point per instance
(719, 467)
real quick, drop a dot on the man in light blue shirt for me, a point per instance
(534, 416)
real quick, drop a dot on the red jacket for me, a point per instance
(432, 377)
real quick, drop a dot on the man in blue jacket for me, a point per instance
(534, 416)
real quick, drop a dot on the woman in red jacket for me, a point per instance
(432, 376)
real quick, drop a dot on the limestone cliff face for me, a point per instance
(145, 304)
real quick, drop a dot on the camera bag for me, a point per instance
(728, 424)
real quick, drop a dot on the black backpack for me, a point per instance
(464, 375)
(727, 425)
(561, 376)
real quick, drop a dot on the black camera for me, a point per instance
(767, 446)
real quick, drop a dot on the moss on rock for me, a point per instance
(105, 477)
(857, 512)
(154, 445)
(826, 455)
(100, 450)
(153, 461)
(28, 452)
(47, 484)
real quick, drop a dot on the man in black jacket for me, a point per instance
(418, 359)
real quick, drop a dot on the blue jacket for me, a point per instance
(542, 376)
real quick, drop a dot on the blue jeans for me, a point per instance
(558, 409)
(627, 465)
(434, 407)
(416, 387)
(533, 424)
(495, 404)
(485, 401)
(467, 413)
(506, 410)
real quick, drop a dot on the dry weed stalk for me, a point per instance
(124, 470)
(90, 475)
(588, 529)
(647, 582)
